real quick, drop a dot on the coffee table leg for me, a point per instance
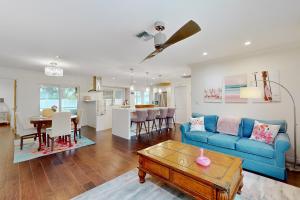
(142, 175)
(240, 187)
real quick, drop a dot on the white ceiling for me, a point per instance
(97, 37)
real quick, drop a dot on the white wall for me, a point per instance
(28, 83)
(7, 92)
(186, 83)
(286, 61)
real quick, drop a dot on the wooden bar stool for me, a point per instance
(170, 115)
(151, 118)
(140, 120)
(162, 117)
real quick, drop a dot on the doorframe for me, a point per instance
(180, 86)
(14, 109)
(14, 130)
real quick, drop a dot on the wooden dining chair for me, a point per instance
(24, 129)
(61, 126)
(79, 122)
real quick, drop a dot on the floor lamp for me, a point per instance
(255, 92)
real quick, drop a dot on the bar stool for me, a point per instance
(161, 117)
(151, 118)
(170, 115)
(140, 120)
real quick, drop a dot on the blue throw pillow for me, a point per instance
(248, 125)
(210, 122)
(197, 115)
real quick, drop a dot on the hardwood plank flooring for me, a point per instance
(67, 174)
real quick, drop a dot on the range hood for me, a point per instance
(97, 84)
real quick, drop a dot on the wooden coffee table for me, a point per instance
(174, 163)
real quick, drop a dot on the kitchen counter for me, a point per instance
(121, 120)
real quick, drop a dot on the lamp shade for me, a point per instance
(251, 93)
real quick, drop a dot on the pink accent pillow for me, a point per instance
(264, 132)
(229, 125)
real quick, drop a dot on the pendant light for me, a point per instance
(53, 70)
(147, 82)
(159, 79)
(131, 80)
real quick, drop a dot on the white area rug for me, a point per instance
(127, 187)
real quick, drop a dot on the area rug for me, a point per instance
(30, 148)
(127, 187)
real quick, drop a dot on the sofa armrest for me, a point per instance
(282, 142)
(185, 127)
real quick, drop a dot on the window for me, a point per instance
(49, 96)
(108, 96)
(119, 96)
(69, 100)
(64, 98)
(138, 97)
(146, 98)
(141, 97)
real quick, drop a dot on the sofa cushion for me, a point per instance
(254, 147)
(199, 136)
(247, 125)
(210, 122)
(223, 140)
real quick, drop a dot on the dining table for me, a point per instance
(41, 122)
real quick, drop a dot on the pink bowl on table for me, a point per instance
(202, 160)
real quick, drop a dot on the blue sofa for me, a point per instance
(257, 156)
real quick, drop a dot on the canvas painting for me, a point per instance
(213, 95)
(263, 79)
(232, 88)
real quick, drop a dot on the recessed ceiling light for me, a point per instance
(113, 78)
(247, 43)
(184, 74)
(204, 53)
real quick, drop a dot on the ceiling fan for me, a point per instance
(160, 42)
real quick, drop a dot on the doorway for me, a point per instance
(8, 103)
(180, 94)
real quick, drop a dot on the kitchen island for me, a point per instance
(121, 119)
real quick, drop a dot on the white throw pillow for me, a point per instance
(197, 124)
(264, 132)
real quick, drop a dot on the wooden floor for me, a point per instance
(67, 174)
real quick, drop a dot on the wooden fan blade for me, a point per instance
(187, 30)
(151, 55)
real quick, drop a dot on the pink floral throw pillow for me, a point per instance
(264, 132)
(197, 124)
